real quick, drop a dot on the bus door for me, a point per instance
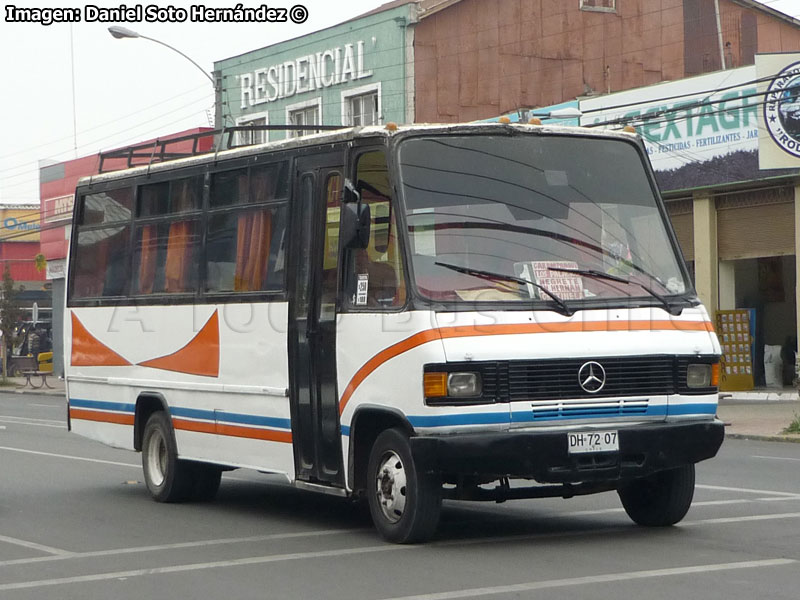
(312, 319)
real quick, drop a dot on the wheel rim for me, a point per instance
(156, 458)
(391, 487)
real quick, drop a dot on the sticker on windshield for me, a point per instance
(361, 289)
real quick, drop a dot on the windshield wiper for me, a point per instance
(564, 307)
(671, 308)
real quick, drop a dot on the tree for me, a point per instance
(40, 262)
(10, 312)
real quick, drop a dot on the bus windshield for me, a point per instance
(515, 218)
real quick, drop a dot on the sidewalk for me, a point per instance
(749, 417)
(17, 384)
(758, 415)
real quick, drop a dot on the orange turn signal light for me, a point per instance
(435, 385)
(715, 375)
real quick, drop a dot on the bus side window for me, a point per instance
(378, 268)
(100, 265)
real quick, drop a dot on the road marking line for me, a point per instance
(776, 458)
(743, 519)
(254, 560)
(62, 426)
(745, 490)
(317, 554)
(11, 418)
(68, 457)
(593, 579)
(175, 546)
(35, 546)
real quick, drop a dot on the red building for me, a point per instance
(19, 244)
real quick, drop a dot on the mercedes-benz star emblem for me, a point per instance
(592, 377)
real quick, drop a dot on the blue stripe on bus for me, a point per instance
(227, 417)
(527, 416)
(101, 405)
(463, 419)
(191, 413)
(691, 409)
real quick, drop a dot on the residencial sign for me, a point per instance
(779, 82)
(698, 131)
(319, 70)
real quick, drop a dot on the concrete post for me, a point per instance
(727, 285)
(706, 263)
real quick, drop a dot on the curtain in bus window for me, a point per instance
(148, 248)
(179, 263)
(252, 251)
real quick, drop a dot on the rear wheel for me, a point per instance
(168, 479)
(404, 503)
(661, 499)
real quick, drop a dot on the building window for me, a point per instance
(304, 113)
(599, 5)
(246, 138)
(362, 106)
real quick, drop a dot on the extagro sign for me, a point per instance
(779, 137)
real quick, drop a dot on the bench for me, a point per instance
(42, 374)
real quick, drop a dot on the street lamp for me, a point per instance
(123, 32)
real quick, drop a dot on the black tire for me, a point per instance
(661, 499)
(205, 482)
(167, 478)
(404, 503)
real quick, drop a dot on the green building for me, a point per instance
(354, 73)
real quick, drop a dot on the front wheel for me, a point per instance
(661, 499)
(404, 503)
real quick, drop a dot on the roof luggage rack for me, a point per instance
(161, 150)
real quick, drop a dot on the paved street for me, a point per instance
(76, 522)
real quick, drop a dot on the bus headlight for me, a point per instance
(702, 375)
(463, 385)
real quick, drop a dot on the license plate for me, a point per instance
(581, 442)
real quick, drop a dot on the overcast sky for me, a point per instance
(127, 90)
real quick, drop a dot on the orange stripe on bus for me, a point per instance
(429, 335)
(100, 417)
(269, 435)
(198, 426)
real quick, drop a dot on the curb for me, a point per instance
(37, 392)
(792, 439)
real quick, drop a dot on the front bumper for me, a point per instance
(543, 456)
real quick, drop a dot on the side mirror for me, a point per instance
(351, 194)
(355, 225)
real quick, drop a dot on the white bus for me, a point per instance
(476, 312)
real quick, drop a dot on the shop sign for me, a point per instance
(58, 209)
(19, 225)
(328, 68)
(56, 269)
(698, 131)
(543, 113)
(779, 142)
